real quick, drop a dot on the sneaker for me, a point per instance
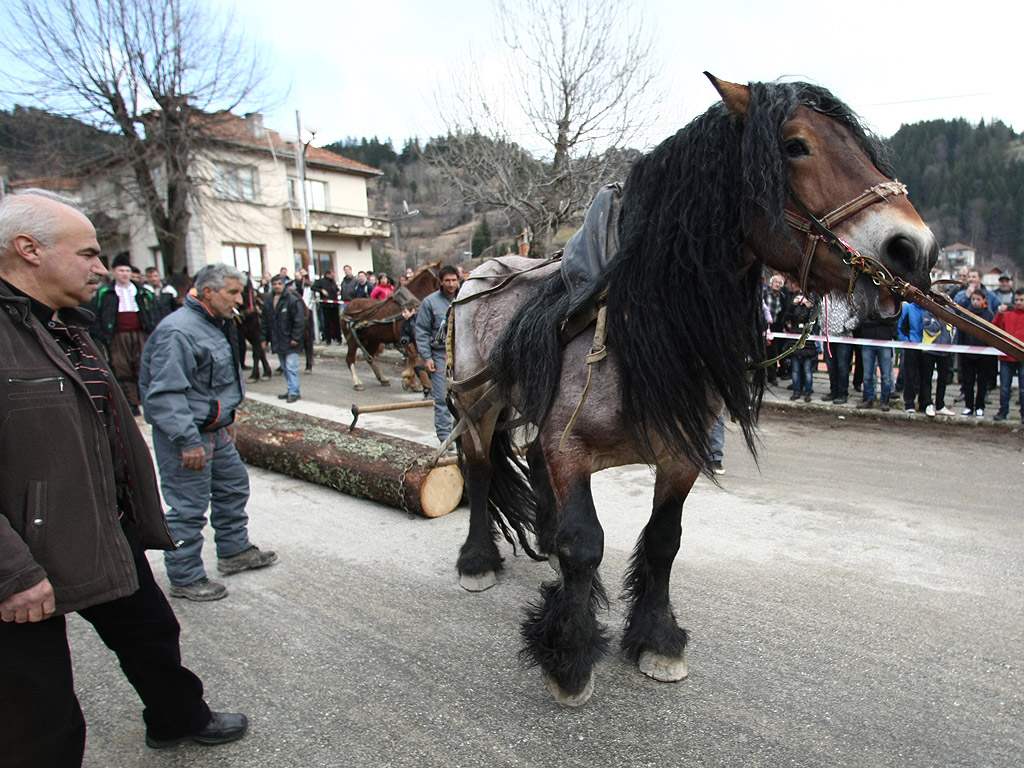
(966, 412)
(224, 727)
(885, 407)
(807, 398)
(428, 395)
(980, 413)
(865, 404)
(716, 467)
(944, 411)
(246, 560)
(929, 410)
(910, 409)
(202, 590)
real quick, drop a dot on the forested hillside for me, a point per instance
(35, 144)
(967, 181)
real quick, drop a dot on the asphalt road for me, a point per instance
(857, 599)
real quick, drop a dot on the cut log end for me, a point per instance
(441, 491)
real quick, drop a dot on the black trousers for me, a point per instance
(41, 723)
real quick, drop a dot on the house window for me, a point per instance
(316, 194)
(248, 258)
(322, 261)
(236, 182)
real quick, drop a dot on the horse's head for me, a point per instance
(838, 210)
(425, 281)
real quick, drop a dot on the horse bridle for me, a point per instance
(819, 230)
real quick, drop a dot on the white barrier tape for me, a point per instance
(961, 348)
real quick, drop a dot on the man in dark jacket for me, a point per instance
(75, 458)
(328, 294)
(284, 325)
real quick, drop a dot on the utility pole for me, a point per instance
(300, 161)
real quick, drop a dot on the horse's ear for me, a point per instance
(736, 97)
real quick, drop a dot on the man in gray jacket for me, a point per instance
(191, 383)
(430, 343)
(78, 506)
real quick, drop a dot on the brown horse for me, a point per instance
(368, 324)
(777, 174)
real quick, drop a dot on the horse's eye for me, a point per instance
(797, 148)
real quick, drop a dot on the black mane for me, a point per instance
(683, 317)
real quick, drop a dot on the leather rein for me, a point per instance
(939, 304)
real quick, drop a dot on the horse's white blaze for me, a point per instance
(663, 668)
(568, 700)
(478, 583)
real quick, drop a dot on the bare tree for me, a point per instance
(144, 68)
(579, 73)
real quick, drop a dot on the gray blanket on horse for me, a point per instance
(592, 247)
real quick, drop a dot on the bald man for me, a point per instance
(78, 506)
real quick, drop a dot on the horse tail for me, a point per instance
(511, 501)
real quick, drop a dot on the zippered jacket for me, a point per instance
(190, 379)
(58, 496)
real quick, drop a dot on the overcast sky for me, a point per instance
(361, 68)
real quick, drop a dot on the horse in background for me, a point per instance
(674, 330)
(368, 324)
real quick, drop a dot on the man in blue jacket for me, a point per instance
(430, 343)
(191, 383)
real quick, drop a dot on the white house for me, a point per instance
(247, 209)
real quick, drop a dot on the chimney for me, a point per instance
(254, 122)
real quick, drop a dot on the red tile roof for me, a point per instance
(225, 126)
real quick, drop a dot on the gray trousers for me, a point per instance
(222, 485)
(439, 390)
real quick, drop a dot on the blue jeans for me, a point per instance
(439, 391)
(882, 358)
(837, 360)
(716, 440)
(1007, 370)
(803, 369)
(290, 363)
(222, 485)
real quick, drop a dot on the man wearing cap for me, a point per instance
(1004, 293)
(125, 316)
(78, 507)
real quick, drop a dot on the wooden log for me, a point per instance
(361, 463)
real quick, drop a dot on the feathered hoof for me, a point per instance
(385, 382)
(478, 582)
(663, 668)
(568, 699)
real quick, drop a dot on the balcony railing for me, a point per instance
(330, 223)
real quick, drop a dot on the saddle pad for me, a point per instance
(592, 247)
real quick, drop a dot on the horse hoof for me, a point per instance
(663, 668)
(385, 383)
(478, 582)
(568, 699)
(358, 387)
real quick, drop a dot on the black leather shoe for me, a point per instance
(222, 728)
(283, 397)
(292, 398)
